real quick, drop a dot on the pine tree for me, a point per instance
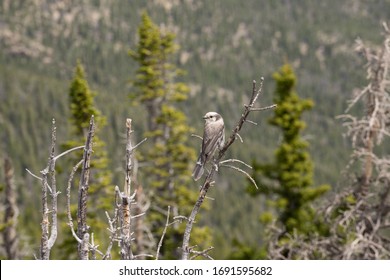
(170, 158)
(287, 183)
(82, 107)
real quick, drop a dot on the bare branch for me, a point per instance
(68, 210)
(209, 178)
(236, 160)
(163, 234)
(203, 253)
(138, 216)
(68, 151)
(264, 108)
(112, 230)
(180, 218)
(142, 141)
(125, 200)
(54, 193)
(243, 172)
(141, 256)
(197, 136)
(32, 174)
(46, 242)
(251, 122)
(239, 137)
(82, 227)
(93, 247)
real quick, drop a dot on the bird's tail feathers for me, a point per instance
(198, 171)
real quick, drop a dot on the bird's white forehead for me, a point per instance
(210, 114)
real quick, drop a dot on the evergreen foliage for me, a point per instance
(81, 102)
(170, 159)
(287, 183)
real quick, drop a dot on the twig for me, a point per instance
(142, 141)
(32, 174)
(180, 218)
(197, 136)
(138, 216)
(143, 256)
(163, 234)
(235, 160)
(202, 253)
(251, 122)
(68, 151)
(93, 247)
(112, 230)
(264, 108)
(243, 172)
(239, 137)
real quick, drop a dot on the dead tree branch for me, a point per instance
(46, 241)
(203, 253)
(126, 199)
(243, 172)
(68, 210)
(370, 129)
(92, 247)
(82, 226)
(32, 174)
(163, 234)
(112, 229)
(186, 249)
(48, 183)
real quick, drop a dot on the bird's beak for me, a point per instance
(204, 117)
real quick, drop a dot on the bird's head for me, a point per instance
(212, 117)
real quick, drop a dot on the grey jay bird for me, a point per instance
(213, 138)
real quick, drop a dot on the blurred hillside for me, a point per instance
(224, 46)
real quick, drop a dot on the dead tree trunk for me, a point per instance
(372, 126)
(82, 226)
(49, 174)
(125, 200)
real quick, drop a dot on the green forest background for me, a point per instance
(224, 46)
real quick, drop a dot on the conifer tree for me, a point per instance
(82, 107)
(287, 183)
(170, 158)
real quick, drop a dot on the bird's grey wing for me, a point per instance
(212, 136)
